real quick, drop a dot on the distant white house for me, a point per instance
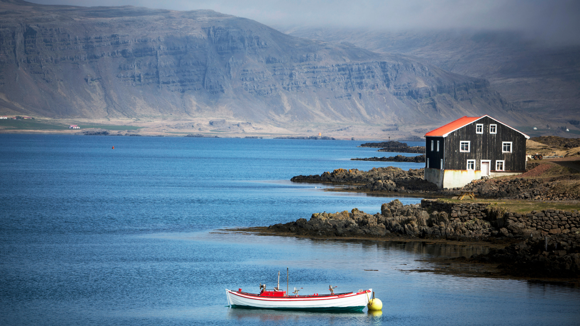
(74, 127)
(3, 118)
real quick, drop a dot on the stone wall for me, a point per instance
(510, 224)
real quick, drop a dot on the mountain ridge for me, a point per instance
(534, 75)
(133, 62)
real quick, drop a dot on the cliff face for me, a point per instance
(107, 62)
(538, 77)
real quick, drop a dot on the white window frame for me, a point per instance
(432, 141)
(438, 146)
(468, 146)
(502, 165)
(505, 143)
(471, 161)
(478, 126)
(494, 131)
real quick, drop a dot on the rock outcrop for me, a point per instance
(411, 182)
(387, 179)
(548, 246)
(521, 188)
(397, 158)
(435, 219)
(395, 146)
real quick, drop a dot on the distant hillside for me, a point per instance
(110, 62)
(540, 78)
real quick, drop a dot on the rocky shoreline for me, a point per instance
(387, 179)
(395, 146)
(392, 180)
(398, 158)
(468, 222)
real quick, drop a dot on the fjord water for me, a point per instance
(131, 236)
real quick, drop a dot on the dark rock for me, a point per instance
(398, 158)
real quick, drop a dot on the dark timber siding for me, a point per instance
(484, 146)
(434, 155)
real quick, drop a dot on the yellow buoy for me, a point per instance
(375, 304)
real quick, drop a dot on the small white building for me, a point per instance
(74, 127)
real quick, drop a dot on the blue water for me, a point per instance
(91, 235)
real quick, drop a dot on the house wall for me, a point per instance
(451, 178)
(434, 156)
(435, 176)
(459, 178)
(485, 146)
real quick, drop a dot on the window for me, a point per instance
(493, 129)
(479, 128)
(441, 164)
(427, 162)
(464, 146)
(438, 146)
(506, 147)
(431, 145)
(499, 165)
(471, 164)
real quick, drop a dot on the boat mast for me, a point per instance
(287, 277)
(278, 288)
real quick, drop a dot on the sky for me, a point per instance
(547, 19)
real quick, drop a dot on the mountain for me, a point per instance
(130, 62)
(540, 77)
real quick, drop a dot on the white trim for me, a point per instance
(502, 165)
(468, 169)
(493, 132)
(477, 126)
(511, 146)
(468, 146)
(438, 146)
(447, 134)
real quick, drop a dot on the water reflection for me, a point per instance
(264, 315)
(430, 249)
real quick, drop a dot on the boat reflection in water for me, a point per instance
(266, 315)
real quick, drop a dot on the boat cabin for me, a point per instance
(274, 293)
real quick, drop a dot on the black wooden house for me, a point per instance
(473, 147)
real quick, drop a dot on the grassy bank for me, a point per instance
(10, 124)
(520, 206)
(47, 125)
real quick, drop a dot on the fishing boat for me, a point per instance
(282, 300)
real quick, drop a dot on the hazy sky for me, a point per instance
(546, 18)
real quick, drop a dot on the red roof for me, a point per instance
(445, 130)
(451, 126)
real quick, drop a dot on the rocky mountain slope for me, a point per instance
(540, 77)
(111, 62)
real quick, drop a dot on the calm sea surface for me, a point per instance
(91, 235)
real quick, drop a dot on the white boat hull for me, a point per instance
(339, 302)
